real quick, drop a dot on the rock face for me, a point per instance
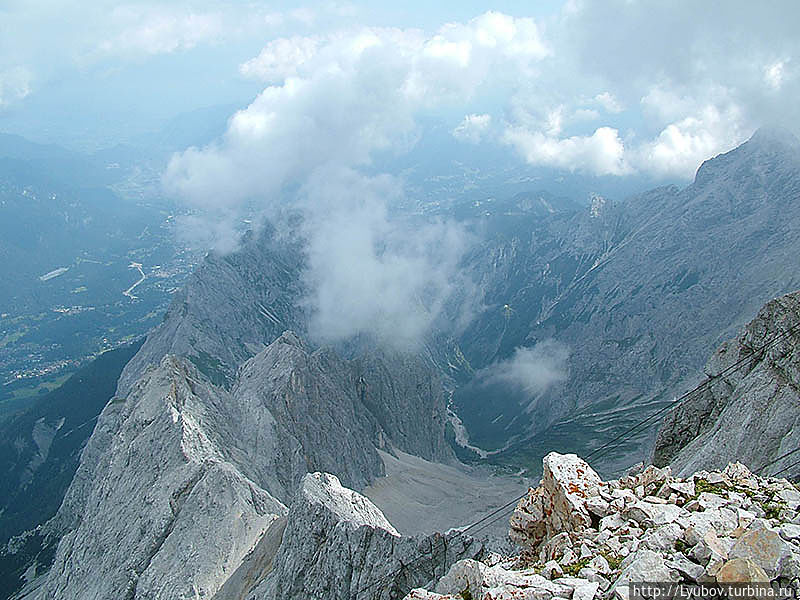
(338, 545)
(751, 414)
(727, 526)
(160, 506)
(229, 310)
(39, 454)
(184, 481)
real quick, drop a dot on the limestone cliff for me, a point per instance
(338, 546)
(750, 414)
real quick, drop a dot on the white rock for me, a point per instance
(662, 538)
(612, 522)
(599, 564)
(555, 547)
(586, 552)
(723, 520)
(790, 531)
(654, 500)
(710, 552)
(764, 547)
(790, 496)
(690, 570)
(645, 565)
(481, 579)
(422, 594)
(624, 494)
(597, 506)
(684, 488)
(715, 478)
(741, 475)
(552, 570)
(558, 504)
(745, 517)
(583, 588)
(651, 515)
(708, 500)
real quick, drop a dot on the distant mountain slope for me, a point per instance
(39, 454)
(638, 291)
(753, 413)
(230, 309)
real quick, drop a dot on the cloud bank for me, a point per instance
(612, 90)
(530, 371)
(331, 105)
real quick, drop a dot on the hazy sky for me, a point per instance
(609, 87)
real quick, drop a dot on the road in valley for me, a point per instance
(129, 291)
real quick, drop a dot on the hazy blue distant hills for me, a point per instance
(52, 162)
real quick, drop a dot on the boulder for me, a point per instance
(552, 569)
(498, 583)
(422, 594)
(663, 538)
(741, 570)
(644, 565)
(648, 514)
(689, 569)
(764, 547)
(790, 497)
(583, 589)
(558, 504)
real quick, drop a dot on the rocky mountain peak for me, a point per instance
(775, 139)
(290, 338)
(338, 545)
(325, 491)
(769, 151)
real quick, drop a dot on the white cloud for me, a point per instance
(609, 102)
(280, 59)
(682, 146)
(472, 128)
(155, 30)
(340, 98)
(332, 102)
(15, 84)
(774, 74)
(693, 132)
(602, 153)
(369, 273)
(531, 371)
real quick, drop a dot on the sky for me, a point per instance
(327, 99)
(608, 88)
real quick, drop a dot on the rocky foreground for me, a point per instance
(585, 538)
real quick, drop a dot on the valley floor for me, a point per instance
(418, 496)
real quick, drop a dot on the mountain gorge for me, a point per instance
(638, 292)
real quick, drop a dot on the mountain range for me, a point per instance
(194, 482)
